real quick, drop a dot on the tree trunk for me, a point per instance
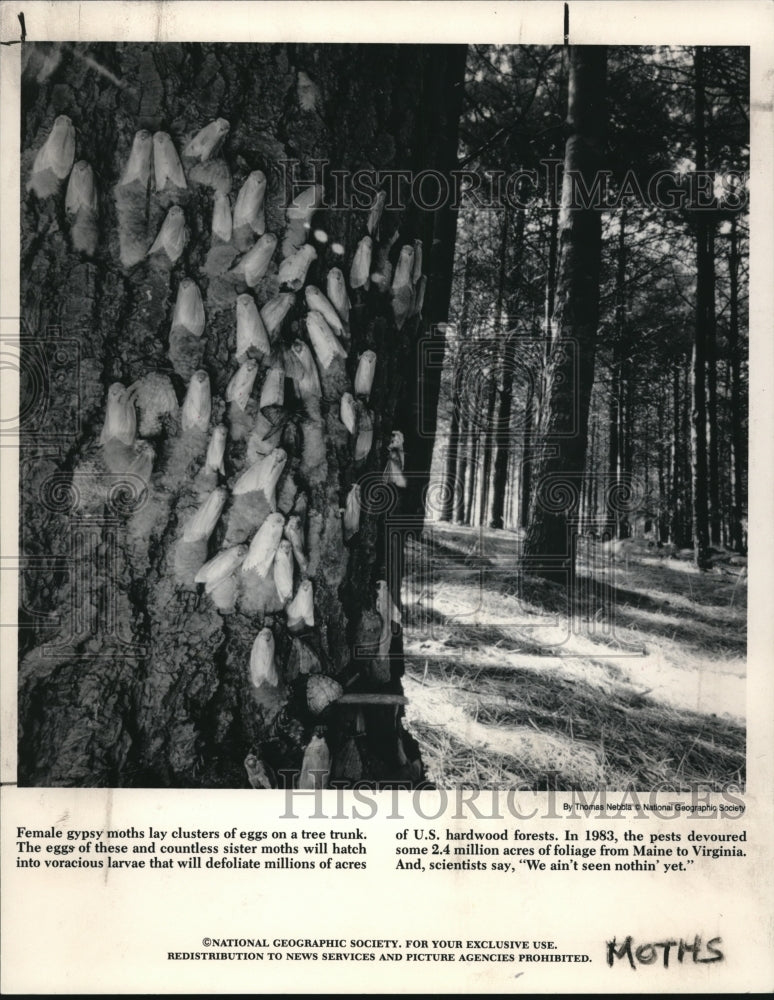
(686, 478)
(626, 436)
(493, 429)
(471, 465)
(504, 443)
(570, 368)
(663, 471)
(589, 479)
(737, 438)
(704, 286)
(454, 473)
(614, 421)
(448, 502)
(460, 474)
(500, 475)
(553, 250)
(615, 458)
(526, 457)
(712, 388)
(727, 480)
(487, 440)
(439, 105)
(676, 504)
(150, 682)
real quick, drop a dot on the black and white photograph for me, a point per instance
(383, 415)
(385, 428)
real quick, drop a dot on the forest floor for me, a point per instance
(638, 682)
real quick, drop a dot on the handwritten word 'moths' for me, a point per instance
(648, 953)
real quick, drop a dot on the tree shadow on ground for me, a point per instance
(637, 741)
(703, 624)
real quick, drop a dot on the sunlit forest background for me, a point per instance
(647, 682)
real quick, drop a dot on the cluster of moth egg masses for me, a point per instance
(154, 164)
(125, 453)
(277, 546)
(315, 366)
(54, 163)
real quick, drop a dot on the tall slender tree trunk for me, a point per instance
(712, 388)
(626, 435)
(536, 409)
(676, 503)
(511, 476)
(504, 454)
(727, 476)
(504, 444)
(526, 456)
(616, 438)
(614, 422)
(486, 442)
(471, 467)
(738, 451)
(686, 453)
(442, 90)
(451, 488)
(460, 474)
(553, 252)
(590, 478)
(450, 462)
(663, 468)
(647, 441)
(548, 546)
(704, 287)
(499, 369)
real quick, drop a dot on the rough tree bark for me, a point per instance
(129, 676)
(569, 377)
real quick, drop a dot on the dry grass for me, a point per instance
(504, 694)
